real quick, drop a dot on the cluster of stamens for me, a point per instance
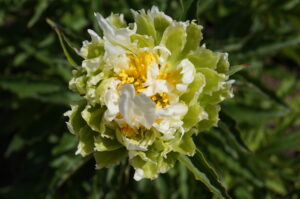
(136, 74)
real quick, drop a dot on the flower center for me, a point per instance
(136, 74)
(161, 100)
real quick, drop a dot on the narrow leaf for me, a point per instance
(228, 125)
(235, 69)
(62, 41)
(268, 92)
(203, 172)
(283, 142)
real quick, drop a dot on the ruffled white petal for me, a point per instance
(136, 110)
(111, 100)
(138, 174)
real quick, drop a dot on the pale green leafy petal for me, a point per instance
(86, 141)
(204, 58)
(194, 89)
(117, 20)
(106, 144)
(193, 116)
(76, 122)
(186, 145)
(194, 36)
(93, 116)
(212, 117)
(144, 24)
(174, 39)
(213, 80)
(109, 158)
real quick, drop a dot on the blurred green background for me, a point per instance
(37, 151)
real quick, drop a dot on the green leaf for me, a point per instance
(272, 47)
(26, 87)
(235, 69)
(205, 173)
(229, 126)
(286, 141)
(39, 9)
(62, 39)
(260, 86)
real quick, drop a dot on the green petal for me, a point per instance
(144, 24)
(109, 158)
(194, 89)
(142, 40)
(106, 144)
(161, 22)
(86, 141)
(174, 39)
(215, 97)
(150, 169)
(95, 50)
(223, 64)
(117, 20)
(213, 117)
(204, 58)
(76, 122)
(167, 163)
(194, 36)
(213, 80)
(78, 82)
(193, 116)
(93, 116)
(186, 145)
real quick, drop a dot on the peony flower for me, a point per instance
(147, 88)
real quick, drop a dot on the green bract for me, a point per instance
(147, 87)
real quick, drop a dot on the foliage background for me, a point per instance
(255, 149)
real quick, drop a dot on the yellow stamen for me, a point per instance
(128, 131)
(161, 100)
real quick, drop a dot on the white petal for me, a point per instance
(136, 109)
(138, 174)
(187, 71)
(181, 87)
(144, 110)
(135, 147)
(113, 50)
(95, 37)
(125, 105)
(119, 36)
(174, 110)
(111, 99)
